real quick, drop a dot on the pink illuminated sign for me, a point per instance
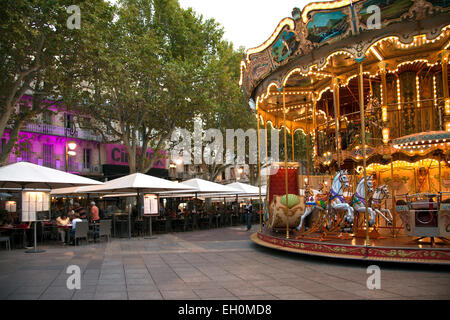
(117, 154)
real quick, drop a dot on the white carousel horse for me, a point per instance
(337, 201)
(359, 199)
(379, 195)
(311, 206)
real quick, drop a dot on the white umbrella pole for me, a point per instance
(35, 250)
(150, 217)
(129, 221)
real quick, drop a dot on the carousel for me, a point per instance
(367, 82)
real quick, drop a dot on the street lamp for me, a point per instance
(70, 151)
(240, 170)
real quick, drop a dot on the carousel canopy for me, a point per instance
(422, 139)
(29, 175)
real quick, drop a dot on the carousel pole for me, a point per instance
(336, 118)
(285, 160)
(440, 172)
(267, 167)
(363, 137)
(259, 174)
(293, 147)
(394, 213)
(308, 139)
(314, 115)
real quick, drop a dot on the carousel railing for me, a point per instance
(403, 119)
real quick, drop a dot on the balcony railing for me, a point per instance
(74, 167)
(61, 131)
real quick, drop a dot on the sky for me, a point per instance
(246, 23)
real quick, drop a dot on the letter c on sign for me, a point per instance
(113, 154)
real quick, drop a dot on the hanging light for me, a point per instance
(385, 135)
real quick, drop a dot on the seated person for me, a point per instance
(62, 221)
(80, 210)
(76, 218)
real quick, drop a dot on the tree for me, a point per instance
(228, 108)
(37, 52)
(149, 76)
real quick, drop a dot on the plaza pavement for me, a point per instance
(209, 264)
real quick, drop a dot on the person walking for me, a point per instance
(248, 214)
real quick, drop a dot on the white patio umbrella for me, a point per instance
(247, 189)
(202, 187)
(28, 175)
(139, 183)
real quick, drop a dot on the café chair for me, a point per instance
(105, 229)
(187, 223)
(81, 231)
(7, 241)
(195, 222)
(168, 224)
(211, 220)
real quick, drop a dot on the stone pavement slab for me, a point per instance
(212, 264)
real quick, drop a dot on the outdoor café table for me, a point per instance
(13, 231)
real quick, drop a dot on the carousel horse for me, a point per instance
(337, 201)
(312, 204)
(359, 199)
(379, 195)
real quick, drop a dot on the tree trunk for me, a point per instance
(13, 137)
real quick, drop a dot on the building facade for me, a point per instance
(54, 139)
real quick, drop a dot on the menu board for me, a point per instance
(151, 205)
(35, 206)
(11, 206)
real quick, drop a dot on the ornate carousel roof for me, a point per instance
(318, 50)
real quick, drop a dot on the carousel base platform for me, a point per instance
(402, 249)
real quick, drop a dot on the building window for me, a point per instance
(26, 155)
(47, 154)
(87, 158)
(68, 123)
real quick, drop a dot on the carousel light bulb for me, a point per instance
(447, 106)
(384, 113)
(418, 90)
(385, 135)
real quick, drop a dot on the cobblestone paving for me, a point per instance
(210, 264)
